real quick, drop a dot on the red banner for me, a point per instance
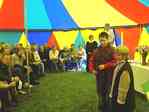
(12, 14)
(133, 9)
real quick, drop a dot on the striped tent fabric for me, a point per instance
(55, 21)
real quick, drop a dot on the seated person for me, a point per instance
(81, 58)
(8, 83)
(43, 59)
(4, 96)
(18, 69)
(62, 58)
(36, 60)
(32, 65)
(71, 63)
(53, 57)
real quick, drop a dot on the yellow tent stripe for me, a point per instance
(92, 13)
(144, 38)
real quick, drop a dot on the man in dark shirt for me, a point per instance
(103, 61)
(91, 45)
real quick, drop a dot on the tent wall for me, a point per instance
(46, 21)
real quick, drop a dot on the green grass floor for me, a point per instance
(66, 92)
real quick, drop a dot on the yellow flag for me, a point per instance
(137, 57)
(23, 40)
(65, 39)
(144, 38)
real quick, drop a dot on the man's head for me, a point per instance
(7, 51)
(45, 45)
(65, 48)
(19, 46)
(54, 47)
(104, 39)
(34, 47)
(107, 26)
(72, 46)
(91, 37)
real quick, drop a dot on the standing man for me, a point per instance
(103, 60)
(91, 45)
(122, 93)
(110, 32)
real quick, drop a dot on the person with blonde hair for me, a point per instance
(122, 93)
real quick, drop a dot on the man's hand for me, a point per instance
(89, 52)
(101, 67)
(94, 72)
(3, 85)
(12, 84)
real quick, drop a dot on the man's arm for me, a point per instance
(110, 64)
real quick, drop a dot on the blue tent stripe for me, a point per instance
(39, 38)
(58, 15)
(10, 37)
(145, 2)
(37, 17)
(117, 38)
(147, 29)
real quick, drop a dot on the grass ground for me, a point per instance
(66, 92)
